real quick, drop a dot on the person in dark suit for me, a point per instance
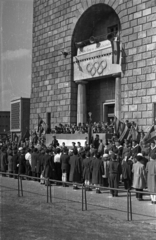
(119, 149)
(114, 173)
(64, 160)
(49, 167)
(34, 157)
(3, 161)
(97, 171)
(127, 172)
(15, 160)
(10, 163)
(75, 169)
(55, 142)
(42, 163)
(135, 149)
(126, 150)
(38, 165)
(86, 167)
(96, 142)
(152, 149)
(22, 162)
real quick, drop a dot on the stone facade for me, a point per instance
(53, 88)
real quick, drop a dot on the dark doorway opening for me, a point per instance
(108, 112)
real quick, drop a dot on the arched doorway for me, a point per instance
(97, 63)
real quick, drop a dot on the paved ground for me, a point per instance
(30, 217)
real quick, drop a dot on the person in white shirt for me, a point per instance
(58, 164)
(78, 146)
(28, 162)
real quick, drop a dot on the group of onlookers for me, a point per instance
(95, 164)
(97, 127)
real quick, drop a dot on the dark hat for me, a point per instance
(153, 156)
(139, 158)
(75, 151)
(47, 151)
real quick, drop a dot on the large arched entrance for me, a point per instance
(97, 63)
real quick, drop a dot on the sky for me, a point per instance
(16, 18)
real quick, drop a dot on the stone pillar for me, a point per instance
(81, 103)
(118, 97)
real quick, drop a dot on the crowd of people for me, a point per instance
(97, 127)
(93, 164)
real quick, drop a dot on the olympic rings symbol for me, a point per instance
(96, 67)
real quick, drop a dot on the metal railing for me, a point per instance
(83, 192)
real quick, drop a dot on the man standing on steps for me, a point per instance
(96, 142)
(55, 142)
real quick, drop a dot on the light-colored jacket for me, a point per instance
(139, 175)
(151, 175)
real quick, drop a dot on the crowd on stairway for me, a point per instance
(94, 165)
(97, 127)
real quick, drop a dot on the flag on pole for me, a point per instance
(124, 134)
(26, 135)
(121, 128)
(118, 126)
(150, 135)
(133, 133)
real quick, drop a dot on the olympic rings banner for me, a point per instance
(97, 61)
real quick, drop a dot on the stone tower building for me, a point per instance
(93, 56)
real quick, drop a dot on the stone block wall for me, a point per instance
(138, 77)
(53, 88)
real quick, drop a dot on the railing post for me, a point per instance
(128, 205)
(85, 199)
(47, 190)
(82, 197)
(21, 186)
(50, 194)
(18, 186)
